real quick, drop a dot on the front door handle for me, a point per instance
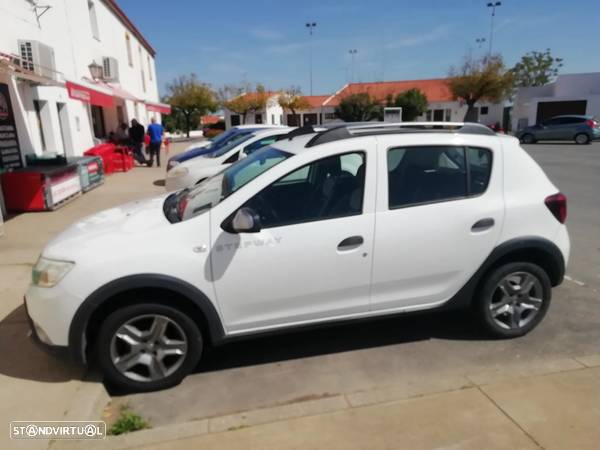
(483, 224)
(350, 243)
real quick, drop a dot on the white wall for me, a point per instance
(66, 27)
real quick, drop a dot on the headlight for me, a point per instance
(178, 172)
(172, 164)
(48, 272)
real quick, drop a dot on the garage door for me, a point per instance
(546, 110)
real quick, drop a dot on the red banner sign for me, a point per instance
(87, 95)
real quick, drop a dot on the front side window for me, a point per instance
(419, 175)
(231, 143)
(329, 188)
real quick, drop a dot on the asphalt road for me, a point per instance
(350, 358)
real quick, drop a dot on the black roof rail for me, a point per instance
(345, 131)
(305, 129)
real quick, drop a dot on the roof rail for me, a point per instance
(345, 131)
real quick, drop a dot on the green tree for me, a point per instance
(536, 69)
(359, 108)
(248, 102)
(413, 103)
(484, 79)
(191, 99)
(293, 100)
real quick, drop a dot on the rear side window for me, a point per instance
(418, 175)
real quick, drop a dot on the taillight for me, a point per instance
(592, 123)
(557, 204)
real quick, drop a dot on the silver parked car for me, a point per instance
(581, 129)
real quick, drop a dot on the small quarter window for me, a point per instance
(480, 168)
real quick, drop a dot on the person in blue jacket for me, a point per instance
(155, 131)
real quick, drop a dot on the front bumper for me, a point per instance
(60, 351)
(177, 183)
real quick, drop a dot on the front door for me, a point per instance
(312, 258)
(438, 218)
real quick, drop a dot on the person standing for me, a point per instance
(155, 131)
(136, 137)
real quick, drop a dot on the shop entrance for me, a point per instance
(98, 121)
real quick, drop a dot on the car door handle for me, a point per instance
(350, 243)
(483, 224)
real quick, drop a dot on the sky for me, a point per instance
(268, 42)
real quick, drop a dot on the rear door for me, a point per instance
(439, 215)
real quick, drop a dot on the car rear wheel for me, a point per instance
(528, 139)
(146, 347)
(514, 299)
(582, 139)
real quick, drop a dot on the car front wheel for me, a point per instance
(514, 299)
(527, 139)
(146, 347)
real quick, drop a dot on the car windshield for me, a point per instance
(230, 144)
(223, 138)
(194, 201)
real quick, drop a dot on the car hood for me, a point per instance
(112, 227)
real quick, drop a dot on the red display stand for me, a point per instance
(106, 152)
(41, 188)
(122, 159)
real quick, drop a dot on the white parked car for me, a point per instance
(350, 223)
(193, 171)
(207, 142)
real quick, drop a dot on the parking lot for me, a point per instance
(401, 357)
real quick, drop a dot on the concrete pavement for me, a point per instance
(34, 385)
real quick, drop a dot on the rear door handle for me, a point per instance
(350, 243)
(483, 224)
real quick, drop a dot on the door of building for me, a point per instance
(310, 119)
(98, 121)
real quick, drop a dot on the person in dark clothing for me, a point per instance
(136, 136)
(155, 131)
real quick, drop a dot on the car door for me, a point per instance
(549, 129)
(312, 258)
(439, 215)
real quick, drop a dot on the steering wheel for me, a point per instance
(266, 212)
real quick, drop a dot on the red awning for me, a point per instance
(162, 108)
(89, 95)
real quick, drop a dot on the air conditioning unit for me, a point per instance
(37, 57)
(110, 68)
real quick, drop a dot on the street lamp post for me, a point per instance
(480, 41)
(311, 26)
(493, 5)
(353, 53)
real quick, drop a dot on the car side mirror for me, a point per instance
(245, 220)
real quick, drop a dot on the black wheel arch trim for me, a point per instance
(464, 296)
(80, 322)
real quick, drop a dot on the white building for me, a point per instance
(72, 71)
(569, 94)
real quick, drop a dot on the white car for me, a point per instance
(350, 223)
(193, 171)
(207, 142)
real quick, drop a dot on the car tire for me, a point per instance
(528, 138)
(582, 139)
(513, 299)
(166, 344)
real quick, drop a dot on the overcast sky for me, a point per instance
(268, 42)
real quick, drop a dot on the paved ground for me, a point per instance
(34, 385)
(332, 370)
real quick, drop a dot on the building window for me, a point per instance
(38, 115)
(142, 73)
(258, 119)
(330, 116)
(129, 55)
(484, 110)
(235, 120)
(149, 68)
(448, 115)
(281, 119)
(93, 19)
(428, 115)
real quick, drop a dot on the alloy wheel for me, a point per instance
(516, 300)
(149, 347)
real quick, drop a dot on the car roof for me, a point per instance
(577, 116)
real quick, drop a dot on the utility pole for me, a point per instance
(353, 53)
(480, 41)
(311, 26)
(493, 5)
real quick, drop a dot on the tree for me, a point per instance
(358, 108)
(484, 79)
(536, 69)
(190, 98)
(248, 102)
(293, 100)
(413, 103)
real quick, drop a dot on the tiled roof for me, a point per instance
(436, 90)
(316, 101)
